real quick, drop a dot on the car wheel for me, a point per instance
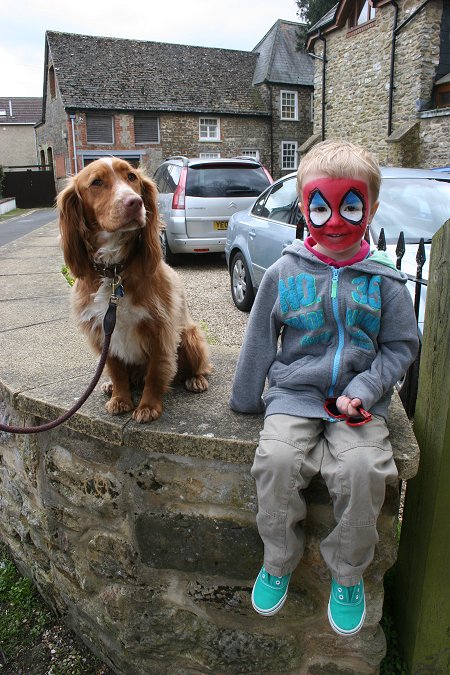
(169, 257)
(241, 284)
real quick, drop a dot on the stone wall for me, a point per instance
(143, 537)
(54, 137)
(145, 542)
(357, 85)
(287, 130)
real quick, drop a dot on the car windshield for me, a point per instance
(418, 207)
(232, 180)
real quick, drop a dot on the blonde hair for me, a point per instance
(340, 159)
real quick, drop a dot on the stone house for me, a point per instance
(18, 115)
(145, 101)
(382, 78)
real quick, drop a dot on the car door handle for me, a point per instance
(252, 234)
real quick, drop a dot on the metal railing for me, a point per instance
(408, 386)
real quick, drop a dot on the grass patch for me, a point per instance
(12, 214)
(32, 640)
(210, 338)
(22, 615)
(67, 275)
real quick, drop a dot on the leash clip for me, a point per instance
(117, 288)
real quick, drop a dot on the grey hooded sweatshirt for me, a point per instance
(317, 331)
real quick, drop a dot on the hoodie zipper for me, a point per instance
(340, 327)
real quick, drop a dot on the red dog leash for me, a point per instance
(109, 323)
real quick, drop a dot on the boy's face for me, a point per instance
(337, 211)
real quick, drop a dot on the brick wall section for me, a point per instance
(357, 86)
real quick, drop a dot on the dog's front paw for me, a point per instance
(107, 388)
(196, 384)
(146, 413)
(117, 406)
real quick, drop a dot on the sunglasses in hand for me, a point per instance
(352, 420)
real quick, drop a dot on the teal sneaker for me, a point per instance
(269, 592)
(346, 608)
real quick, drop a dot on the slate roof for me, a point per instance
(278, 61)
(118, 74)
(24, 109)
(326, 20)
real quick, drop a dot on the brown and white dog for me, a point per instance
(110, 228)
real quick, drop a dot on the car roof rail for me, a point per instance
(183, 158)
(249, 157)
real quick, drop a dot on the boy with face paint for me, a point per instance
(332, 330)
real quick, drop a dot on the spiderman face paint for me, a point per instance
(337, 211)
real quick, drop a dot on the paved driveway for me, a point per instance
(207, 285)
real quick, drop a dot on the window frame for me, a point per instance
(290, 92)
(206, 122)
(250, 152)
(294, 144)
(145, 116)
(90, 117)
(355, 18)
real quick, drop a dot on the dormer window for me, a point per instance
(363, 12)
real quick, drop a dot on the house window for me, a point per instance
(210, 155)
(250, 152)
(289, 105)
(311, 107)
(99, 128)
(362, 13)
(146, 129)
(289, 155)
(209, 129)
(51, 82)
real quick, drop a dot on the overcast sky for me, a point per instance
(229, 24)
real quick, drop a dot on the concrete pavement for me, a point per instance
(46, 364)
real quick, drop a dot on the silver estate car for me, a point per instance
(198, 196)
(412, 201)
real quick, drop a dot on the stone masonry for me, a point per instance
(143, 537)
(357, 87)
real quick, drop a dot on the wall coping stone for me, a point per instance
(46, 364)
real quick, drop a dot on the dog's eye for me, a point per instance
(97, 182)
(132, 177)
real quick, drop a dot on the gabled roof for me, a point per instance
(20, 109)
(117, 74)
(279, 62)
(336, 17)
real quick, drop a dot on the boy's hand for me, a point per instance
(348, 406)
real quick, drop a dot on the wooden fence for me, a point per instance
(423, 568)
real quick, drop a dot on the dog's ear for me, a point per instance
(151, 234)
(73, 230)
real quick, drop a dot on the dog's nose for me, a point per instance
(132, 202)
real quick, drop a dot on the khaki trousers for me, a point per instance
(356, 464)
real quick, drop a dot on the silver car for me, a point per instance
(198, 196)
(412, 201)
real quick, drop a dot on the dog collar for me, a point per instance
(116, 269)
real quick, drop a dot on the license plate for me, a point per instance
(220, 225)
